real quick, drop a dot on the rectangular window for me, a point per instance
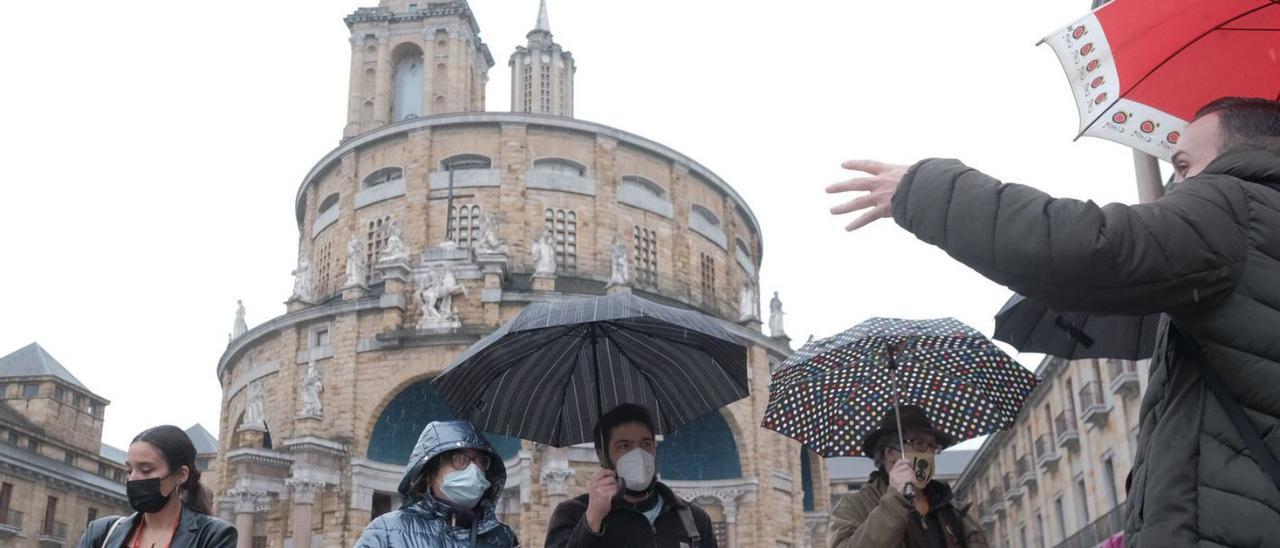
(259, 542)
(14, 439)
(93, 514)
(563, 225)
(1039, 531)
(33, 444)
(1082, 500)
(69, 458)
(1022, 535)
(50, 515)
(95, 409)
(527, 74)
(323, 269)
(103, 470)
(1060, 514)
(646, 257)
(466, 224)
(375, 242)
(30, 390)
(708, 279)
(6, 496)
(59, 393)
(545, 88)
(77, 401)
(4, 390)
(1109, 476)
(320, 339)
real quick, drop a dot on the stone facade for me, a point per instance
(1057, 477)
(316, 479)
(55, 473)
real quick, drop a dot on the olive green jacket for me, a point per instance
(880, 517)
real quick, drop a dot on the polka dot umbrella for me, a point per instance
(830, 395)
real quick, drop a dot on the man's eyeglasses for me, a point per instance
(460, 460)
(924, 445)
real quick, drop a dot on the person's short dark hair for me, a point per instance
(626, 413)
(1245, 120)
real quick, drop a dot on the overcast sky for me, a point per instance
(151, 151)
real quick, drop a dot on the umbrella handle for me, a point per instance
(908, 490)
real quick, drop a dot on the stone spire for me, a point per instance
(542, 72)
(543, 24)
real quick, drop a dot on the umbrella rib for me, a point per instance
(1219, 26)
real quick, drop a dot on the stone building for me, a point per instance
(1057, 477)
(417, 236)
(56, 475)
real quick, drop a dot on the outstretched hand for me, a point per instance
(879, 188)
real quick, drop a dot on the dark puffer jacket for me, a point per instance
(1208, 256)
(424, 522)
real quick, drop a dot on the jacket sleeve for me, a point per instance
(374, 536)
(568, 528)
(852, 526)
(1178, 254)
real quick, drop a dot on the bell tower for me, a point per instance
(411, 59)
(542, 73)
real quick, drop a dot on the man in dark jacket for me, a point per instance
(1207, 255)
(886, 513)
(445, 502)
(625, 505)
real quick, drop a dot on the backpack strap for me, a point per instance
(111, 531)
(1261, 454)
(690, 529)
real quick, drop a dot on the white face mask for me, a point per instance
(465, 487)
(636, 468)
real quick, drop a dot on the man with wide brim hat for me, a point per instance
(901, 505)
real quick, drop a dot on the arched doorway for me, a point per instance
(403, 419)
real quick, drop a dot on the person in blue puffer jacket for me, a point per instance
(450, 490)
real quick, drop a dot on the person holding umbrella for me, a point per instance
(626, 505)
(901, 504)
(1207, 255)
(450, 492)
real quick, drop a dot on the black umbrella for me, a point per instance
(552, 371)
(1031, 326)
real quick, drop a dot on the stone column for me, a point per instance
(248, 503)
(303, 497)
(382, 89)
(731, 523)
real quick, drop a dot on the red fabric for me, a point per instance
(1177, 55)
(1116, 541)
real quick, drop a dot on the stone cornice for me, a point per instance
(312, 444)
(532, 120)
(57, 481)
(262, 456)
(238, 346)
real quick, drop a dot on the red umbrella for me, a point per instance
(1140, 69)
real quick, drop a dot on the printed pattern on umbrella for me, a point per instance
(832, 397)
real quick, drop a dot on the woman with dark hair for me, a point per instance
(171, 507)
(450, 491)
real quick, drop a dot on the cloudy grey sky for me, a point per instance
(152, 150)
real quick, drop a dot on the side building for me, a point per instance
(56, 475)
(1057, 477)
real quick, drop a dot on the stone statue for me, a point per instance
(312, 387)
(254, 415)
(489, 243)
(747, 300)
(775, 317)
(618, 260)
(436, 289)
(544, 254)
(302, 278)
(395, 251)
(240, 327)
(356, 272)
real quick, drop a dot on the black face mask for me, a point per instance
(145, 495)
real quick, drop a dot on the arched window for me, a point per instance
(400, 423)
(466, 161)
(563, 225)
(466, 224)
(407, 79)
(639, 192)
(375, 242)
(743, 255)
(699, 451)
(384, 175)
(646, 186)
(706, 215)
(328, 203)
(706, 223)
(560, 166)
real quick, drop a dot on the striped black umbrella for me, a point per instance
(833, 393)
(548, 374)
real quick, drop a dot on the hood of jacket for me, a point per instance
(440, 437)
(1248, 163)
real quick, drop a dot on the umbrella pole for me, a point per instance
(909, 489)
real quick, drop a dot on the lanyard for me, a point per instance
(137, 539)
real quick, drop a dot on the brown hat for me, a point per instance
(913, 417)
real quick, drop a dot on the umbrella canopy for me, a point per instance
(552, 371)
(1032, 327)
(1140, 69)
(831, 399)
